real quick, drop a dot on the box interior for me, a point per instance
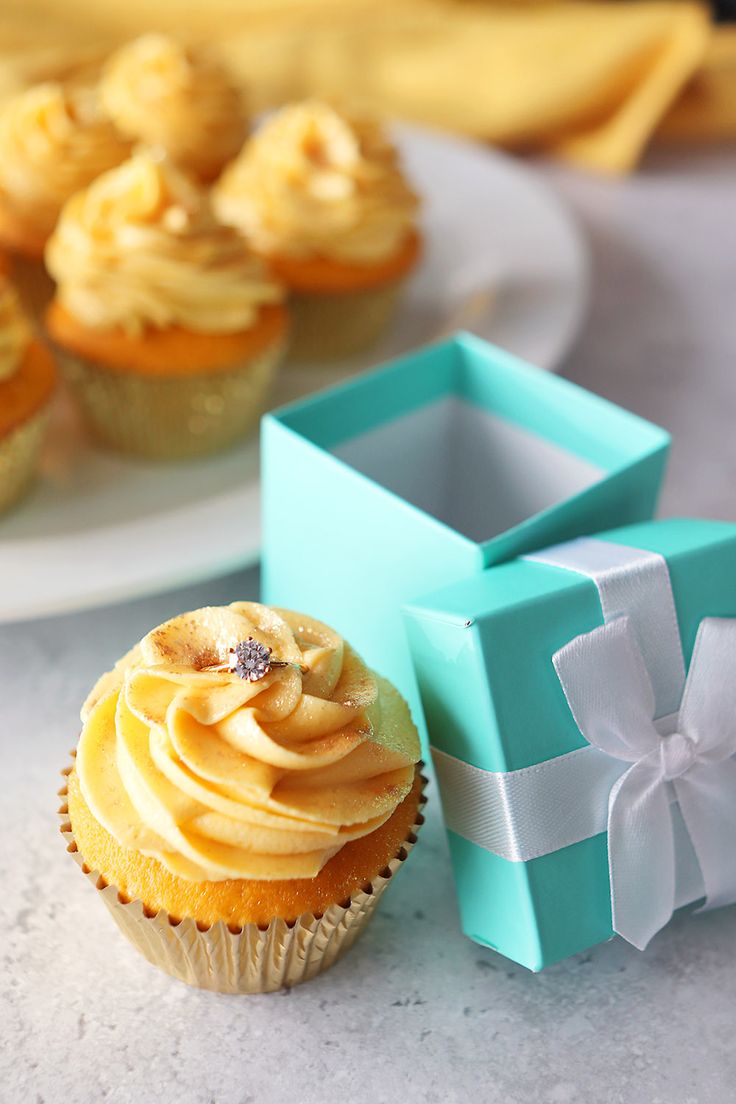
(467, 467)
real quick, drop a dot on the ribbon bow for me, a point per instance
(685, 758)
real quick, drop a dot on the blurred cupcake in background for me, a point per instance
(163, 93)
(322, 196)
(26, 385)
(54, 140)
(167, 327)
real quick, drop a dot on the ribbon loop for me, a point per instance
(609, 690)
(708, 709)
(606, 683)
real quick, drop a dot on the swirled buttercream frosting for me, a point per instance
(313, 182)
(15, 332)
(161, 92)
(142, 248)
(217, 776)
(53, 141)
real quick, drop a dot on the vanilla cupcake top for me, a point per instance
(15, 333)
(313, 182)
(53, 141)
(163, 93)
(141, 248)
(262, 764)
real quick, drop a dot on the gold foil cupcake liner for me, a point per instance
(327, 327)
(19, 451)
(248, 959)
(170, 418)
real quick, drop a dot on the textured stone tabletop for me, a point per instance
(415, 1012)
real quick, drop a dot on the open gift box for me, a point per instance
(428, 471)
(581, 706)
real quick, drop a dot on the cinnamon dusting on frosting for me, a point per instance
(218, 777)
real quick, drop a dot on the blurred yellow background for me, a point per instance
(590, 82)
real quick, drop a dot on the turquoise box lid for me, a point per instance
(429, 470)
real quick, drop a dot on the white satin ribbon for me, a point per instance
(664, 788)
(635, 583)
(526, 813)
(611, 697)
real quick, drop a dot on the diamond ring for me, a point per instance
(252, 661)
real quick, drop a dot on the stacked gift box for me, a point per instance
(480, 530)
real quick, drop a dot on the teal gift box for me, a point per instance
(429, 470)
(494, 701)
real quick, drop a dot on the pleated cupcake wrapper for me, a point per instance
(251, 959)
(326, 327)
(19, 451)
(171, 417)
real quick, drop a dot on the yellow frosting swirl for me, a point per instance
(141, 248)
(15, 332)
(180, 98)
(312, 182)
(53, 141)
(218, 777)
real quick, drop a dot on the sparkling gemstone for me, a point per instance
(250, 660)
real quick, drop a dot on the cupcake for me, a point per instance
(26, 386)
(243, 790)
(53, 141)
(322, 197)
(167, 327)
(162, 93)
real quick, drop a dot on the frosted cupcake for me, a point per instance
(53, 141)
(26, 385)
(179, 98)
(243, 790)
(322, 196)
(167, 327)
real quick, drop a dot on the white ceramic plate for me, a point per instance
(503, 259)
